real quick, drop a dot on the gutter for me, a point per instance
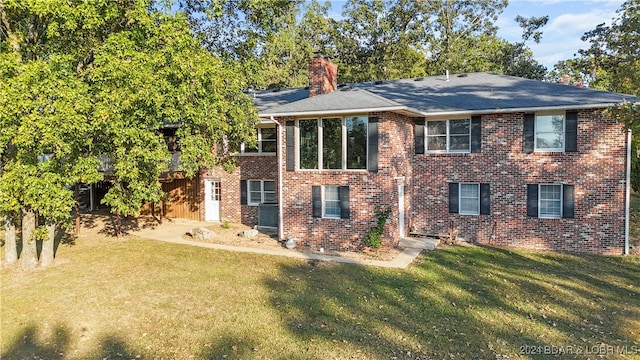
(439, 113)
(627, 210)
(280, 195)
(335, 112)
(514, 110)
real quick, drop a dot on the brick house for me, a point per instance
(504, 160)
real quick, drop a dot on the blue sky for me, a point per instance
(568, 21)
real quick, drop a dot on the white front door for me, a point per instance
(401, 210)
(211, 200)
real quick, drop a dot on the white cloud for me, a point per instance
(568, 21)
(577, 24)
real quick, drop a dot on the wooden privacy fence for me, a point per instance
(185, 200)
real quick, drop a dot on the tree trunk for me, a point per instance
(29, 254)
(118, 225)
(46, 256)
(10, 247)
(76, 195)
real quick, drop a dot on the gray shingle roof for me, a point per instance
(351, 100)
(473, 92)
(265, 99)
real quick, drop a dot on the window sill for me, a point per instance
(446, 153)
(333, 171)
(255, 154)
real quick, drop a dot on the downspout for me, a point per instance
(280, 195)
(628, 195)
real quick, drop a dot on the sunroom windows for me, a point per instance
(333, 143)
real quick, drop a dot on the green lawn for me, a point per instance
(143, 299)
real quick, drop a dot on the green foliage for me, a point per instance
(154, 74)
(612, 62)
(102, 78)
(374, 237)
(226, 225)
(44, 121)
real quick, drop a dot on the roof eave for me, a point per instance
(515, 110)
(339, 112)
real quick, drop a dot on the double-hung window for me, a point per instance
(330, 201)
(334, 143)
(261, 191)
(469, 198)
(448, 135)
(266, 142)
(549, 132)
(550, 201)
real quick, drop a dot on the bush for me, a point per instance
(374, 238)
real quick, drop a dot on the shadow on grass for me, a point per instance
(228, 347)
(30, 344)
(463, 303)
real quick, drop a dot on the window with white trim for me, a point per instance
(331, 201)
(337, 143)
(448, 135)
(550, 201)
(266, 142)
(469, 197)
(261, 191)
(549, 132)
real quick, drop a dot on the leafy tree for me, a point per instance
(104, 78)
(612, 63)
(378, 40)
(240, 30)
(48, 104)
(518, 59)
(151, 75)
(456, 26)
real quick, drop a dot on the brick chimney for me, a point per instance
(323, 75)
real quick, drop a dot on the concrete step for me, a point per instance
(420, 243)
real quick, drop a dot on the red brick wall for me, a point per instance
(249, 167)
(597, 171)
(367, 191)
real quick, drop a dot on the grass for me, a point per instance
(143, 299)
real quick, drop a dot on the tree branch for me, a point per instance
(14, 44)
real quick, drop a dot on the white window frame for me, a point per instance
(243, 148)
(262, 191)
(447, 136)
(477, 198)
(324, 203)
(344, 141)
(536, 132)
(551, 216)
